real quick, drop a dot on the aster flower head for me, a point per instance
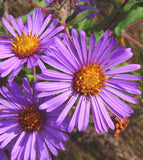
(88, 79)
(31, 131)
(26, 42)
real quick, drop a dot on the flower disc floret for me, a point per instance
(89, 79)
(31, 119)
(25, 45)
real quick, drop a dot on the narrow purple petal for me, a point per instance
(84, 46)
(87, 114)
(55, 63)
(54, 32)
(105, 113)
(124, 56)
(51, 148)
(33, 147)
(16, 90)
(56, 75)
(101, 116)
(122, 95)
(126, 88)
(127, 77)
(27, 90)
(123, 69)
(9, 136)
(71, 49)
(17, 146)
(82, 114)
(16, 70)
(56, 101)
(50, 28)
(28, 147)
(75, 116)
(64, 52)
(110, 45)
(15, 25)
(20, 23)
(91, 47)
(51, 86)
(96, 117)
(8, 26)
(77, 45)
(67, 108)
(44, 25)
(101, 45)
(29, 23)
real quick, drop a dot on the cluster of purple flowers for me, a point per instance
(34, 118)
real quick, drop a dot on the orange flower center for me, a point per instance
(31, 119)
(25, 45)
(89, 79)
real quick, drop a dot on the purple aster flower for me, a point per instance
(26, 42)
(88, 79)
(31, 131)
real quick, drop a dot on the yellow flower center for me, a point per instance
(25, 45)
(31, 119)
(89, 79)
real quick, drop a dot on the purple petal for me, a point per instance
(54, 32)
(67, 108)
(29, 23)
(27, 90)
(45, 23)
(101, 45)
(95, 113)
(16, 90)
(15, 25)
(122, 95)
(105, 113)
(75, 116)
(51, 86)
(55, 63)
(28, 147)
(124, 56)
(84, 46)
(82, 114)
(50, 28)
(127, 77)
(8, 26)
(126, 88)
(91, 47)
(77, 45)
(33, 147)
(56, 101)
(64, 52)
(87, 114)
(57, 76)
(123, 69)
(72, 50)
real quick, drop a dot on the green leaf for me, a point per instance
(84, 25)
(103, 24)
(135, 14)
(2, 31)
(131, 13)
(81, 16)
(40, 3)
